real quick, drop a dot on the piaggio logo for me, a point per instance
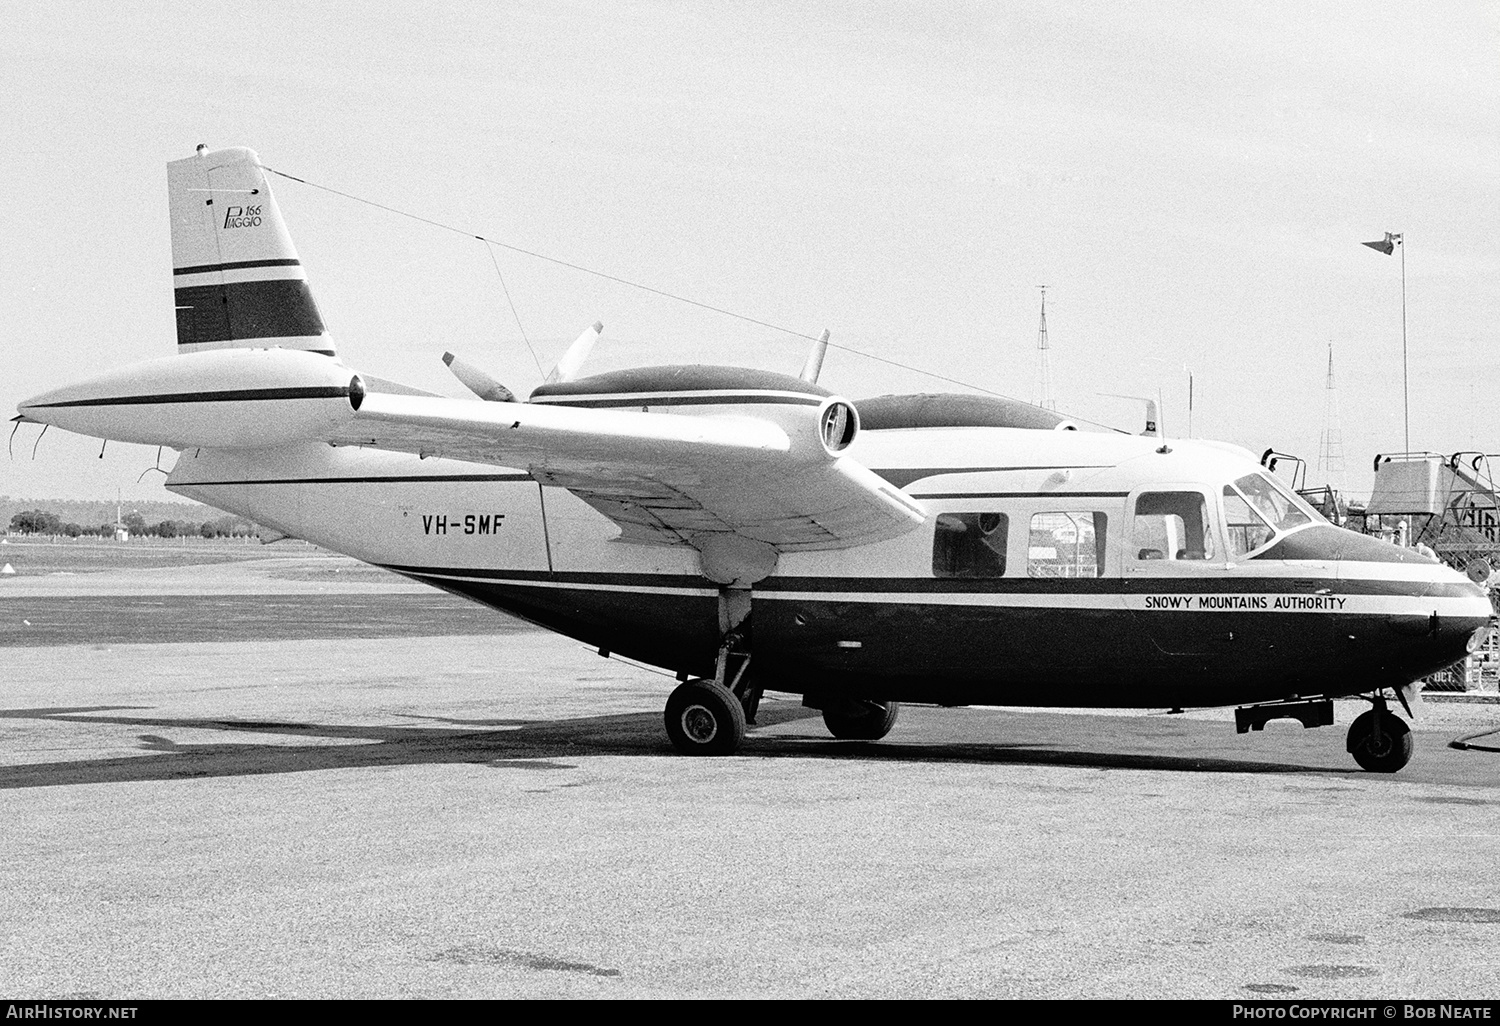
(242, 217)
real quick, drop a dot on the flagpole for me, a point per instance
(1388, 246)
(1405, 394)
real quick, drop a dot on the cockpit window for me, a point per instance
(1247, 529)
(1172, 525)
(1272, 501)
(1257, 508)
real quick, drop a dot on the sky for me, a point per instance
(1191, 182)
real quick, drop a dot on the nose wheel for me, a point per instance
(1379, 740)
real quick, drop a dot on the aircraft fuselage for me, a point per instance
(1075, 600)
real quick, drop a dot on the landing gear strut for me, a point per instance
(708, 717)
(1379, 740)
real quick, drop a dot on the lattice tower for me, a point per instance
(1044, 397)
(1331, 439)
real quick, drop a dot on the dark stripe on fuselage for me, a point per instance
(684, 400)
(237, 265)
(275, 308)
(1059, 496)
(409, 479)
(232, 395)
(1324, 541)
(903, 476)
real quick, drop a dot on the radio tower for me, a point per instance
(1044, 384)
(1331, 441)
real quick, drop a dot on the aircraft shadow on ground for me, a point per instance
(510, 743)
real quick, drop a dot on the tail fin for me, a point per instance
(236, 275)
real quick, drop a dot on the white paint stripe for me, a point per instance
(237, 275)
(1377, 605)
(282, 341)
(1405, 572)
(1368, 605)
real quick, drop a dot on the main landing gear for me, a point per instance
(708, 717)
(860, 720)
(1379, 740)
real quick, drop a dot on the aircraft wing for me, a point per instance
(663, 478)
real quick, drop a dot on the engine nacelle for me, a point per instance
(223, 399)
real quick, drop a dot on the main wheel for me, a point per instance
(703, 718)
(872, 724)
(1391, 752)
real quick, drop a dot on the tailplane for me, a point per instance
(236, 276)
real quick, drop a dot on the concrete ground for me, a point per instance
(453, 814)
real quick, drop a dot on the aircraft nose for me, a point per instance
(1461, 613)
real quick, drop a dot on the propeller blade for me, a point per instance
(567, 367)
(478, 382)
(814, 365)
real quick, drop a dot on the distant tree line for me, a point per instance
(38, 521)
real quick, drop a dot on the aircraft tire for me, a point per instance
(703, 718)
(870, 726)
(1395, 747)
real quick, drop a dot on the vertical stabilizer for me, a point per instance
(235, 272)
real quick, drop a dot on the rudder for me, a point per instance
(236, 276)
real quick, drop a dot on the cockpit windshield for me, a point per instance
(1257, 508)
(1281, 507)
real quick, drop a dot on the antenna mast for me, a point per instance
(1044, 384)
(1331, 442)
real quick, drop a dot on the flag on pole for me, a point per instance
(1386, 245)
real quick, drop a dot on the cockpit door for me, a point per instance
(1175, 569)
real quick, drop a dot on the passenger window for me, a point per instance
(1246, 528)
(969, 545)
(1066, 545)
(1172, 525)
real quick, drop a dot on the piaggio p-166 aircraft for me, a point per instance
(751, 530)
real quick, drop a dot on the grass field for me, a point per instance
(36, 556)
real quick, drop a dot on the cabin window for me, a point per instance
(1066, 544)
(1247, 529)
(969, 545)
(1172, 525)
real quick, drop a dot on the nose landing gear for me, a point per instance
(1379, 740)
